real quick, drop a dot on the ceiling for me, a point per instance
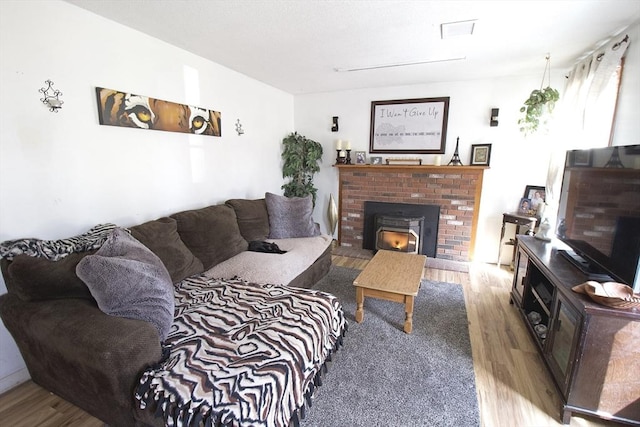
(297, 45)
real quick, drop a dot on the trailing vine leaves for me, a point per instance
(301, 156)
(539, 102)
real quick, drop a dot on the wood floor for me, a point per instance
(513, 386)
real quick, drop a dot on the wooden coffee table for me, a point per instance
(392, 276)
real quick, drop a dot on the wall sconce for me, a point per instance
(334, 126)
(239, 128)
(494, 117)
(51, 97)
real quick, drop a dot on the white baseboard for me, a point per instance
(12, 380)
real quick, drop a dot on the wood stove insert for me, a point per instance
(399, 219)
(398, 233)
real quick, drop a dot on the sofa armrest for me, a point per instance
(74, 350)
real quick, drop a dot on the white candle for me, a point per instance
(348, 145)
(55, 103)
(343, 153)
(339, 145)
(438, 161)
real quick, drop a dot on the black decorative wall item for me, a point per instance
(334, 126)
(494, 117)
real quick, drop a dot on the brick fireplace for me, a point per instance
(456, 189)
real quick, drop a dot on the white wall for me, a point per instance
(62, 173)
(516, 161)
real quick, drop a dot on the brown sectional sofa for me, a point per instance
(94, 360)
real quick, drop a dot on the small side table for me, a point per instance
(519, 220)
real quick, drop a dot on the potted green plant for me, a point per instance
(301, 156)
(540, 102)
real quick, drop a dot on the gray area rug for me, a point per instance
(384, 377)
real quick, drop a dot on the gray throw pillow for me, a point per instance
(128, 280)
(290, 217)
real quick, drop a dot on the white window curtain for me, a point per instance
(588, 104)
(584, 114)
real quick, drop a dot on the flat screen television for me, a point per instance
(599, 213)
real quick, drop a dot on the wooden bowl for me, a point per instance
(611, 294)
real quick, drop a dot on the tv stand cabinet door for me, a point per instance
(519, 277)
(564, 341)
(607, 379)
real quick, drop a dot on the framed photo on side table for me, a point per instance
(537, 196)
(524, 207)
(480, 154)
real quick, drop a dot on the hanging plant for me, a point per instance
(301, 156)
(540, 102)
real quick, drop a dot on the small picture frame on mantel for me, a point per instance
(361, 157)
(375, 160)
(480, 154)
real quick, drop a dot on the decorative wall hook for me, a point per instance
(51, 97)
(334, 126)
(239, 127)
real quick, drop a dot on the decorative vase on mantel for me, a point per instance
(332, 214)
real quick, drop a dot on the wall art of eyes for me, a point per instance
(116, 108)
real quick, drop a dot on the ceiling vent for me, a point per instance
(455, 29)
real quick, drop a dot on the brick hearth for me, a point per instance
(456, 189)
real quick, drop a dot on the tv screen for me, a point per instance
(599, 211)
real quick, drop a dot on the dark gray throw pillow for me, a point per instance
(253, 219)
(211, 233)
(161, 236)
(290, 216)
(128, 280)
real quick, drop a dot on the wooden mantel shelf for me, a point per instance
(413, 168)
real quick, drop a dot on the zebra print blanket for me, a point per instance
(55, 250)
(242, 354)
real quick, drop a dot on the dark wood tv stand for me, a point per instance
(591, 351)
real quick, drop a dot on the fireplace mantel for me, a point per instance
(456, 189)
(412, 168)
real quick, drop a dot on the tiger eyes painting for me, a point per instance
(117, 108)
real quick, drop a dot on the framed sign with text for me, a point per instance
(417, 126)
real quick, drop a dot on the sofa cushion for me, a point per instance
(34, 279)
(253, 219)
(262, 267)
(290, 217)
(211, 233)
(161, 236)
(128, 280)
